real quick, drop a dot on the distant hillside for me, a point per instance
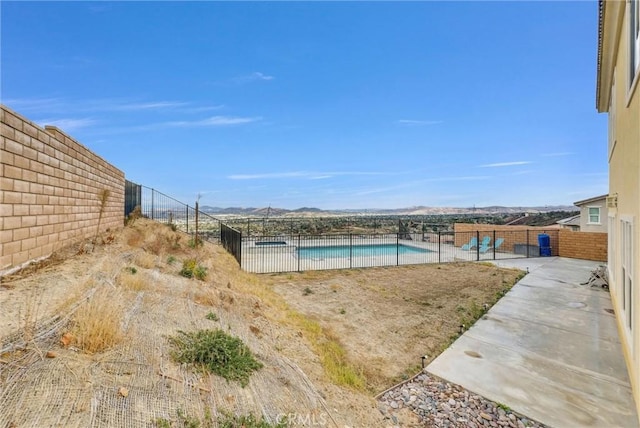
(539, 219)
(419, 210)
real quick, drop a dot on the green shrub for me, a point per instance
(191, 269)
(217, 352)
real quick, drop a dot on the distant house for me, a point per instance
(571, 223)
(593, 214)
(618, 94)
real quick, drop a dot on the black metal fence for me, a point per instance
(132, 196)
(289, 253)
(231, 240)
(413, 242)
(165, 209)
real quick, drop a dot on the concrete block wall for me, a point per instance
(583, 245)
(49, 185)
(512, 235)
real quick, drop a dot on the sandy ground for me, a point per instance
(384, 318)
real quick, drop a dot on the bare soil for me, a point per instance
(384, 319)
(389, 318)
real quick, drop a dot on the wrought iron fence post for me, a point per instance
(298, 249)
(239, 249)
(350, 250)
(397, 249)
(494, 244)
(477, 245)
(152, 193)
(527, 232)
(440, 247)
(196, 239)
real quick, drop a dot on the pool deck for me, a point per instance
(549, 349)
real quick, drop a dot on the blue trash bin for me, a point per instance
(544, 242)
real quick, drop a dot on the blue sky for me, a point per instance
(324, 104)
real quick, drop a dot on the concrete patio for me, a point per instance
(549, 349)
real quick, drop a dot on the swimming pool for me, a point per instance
(346, 251)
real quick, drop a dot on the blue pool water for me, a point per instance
(339, 251)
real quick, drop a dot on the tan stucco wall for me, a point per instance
(585, 226)
(624, 181)
(49, 191)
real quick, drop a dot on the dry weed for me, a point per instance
(207, 297)
(97, 323)
(133, 281)
(30, 318)
(134, 237)
(145, 260)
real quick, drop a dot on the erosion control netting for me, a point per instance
(136, 384)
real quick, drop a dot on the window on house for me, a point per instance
(611, 236)
(634, 31)
(612, 115)
(594, 215)
(626, 232)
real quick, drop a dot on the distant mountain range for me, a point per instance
(419, 210)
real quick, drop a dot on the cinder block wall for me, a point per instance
(512, 235)
(583, 245)
(49, 187)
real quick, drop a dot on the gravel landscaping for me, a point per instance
(439, 403)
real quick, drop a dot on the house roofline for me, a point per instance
(599, 61)
(570, 221)
(586, 201)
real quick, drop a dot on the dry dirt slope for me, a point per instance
(306, 347)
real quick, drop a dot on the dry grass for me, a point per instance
(375, 324)
(153, 238)
(207, 297)
(133, 281)
(30, 315)
(332, 354)
(97, 323)
(133, 236)
(338, 368)
(146, 260)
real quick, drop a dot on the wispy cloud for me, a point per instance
(557, 154)
(33, 104)
(256, 76)
(417, 183)
(525, 172)
(502, 164)
(149, 106)
(301, 174)
(418, 122)
(272, 175)
(215, 121)
(48, 105)
(68, 125)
